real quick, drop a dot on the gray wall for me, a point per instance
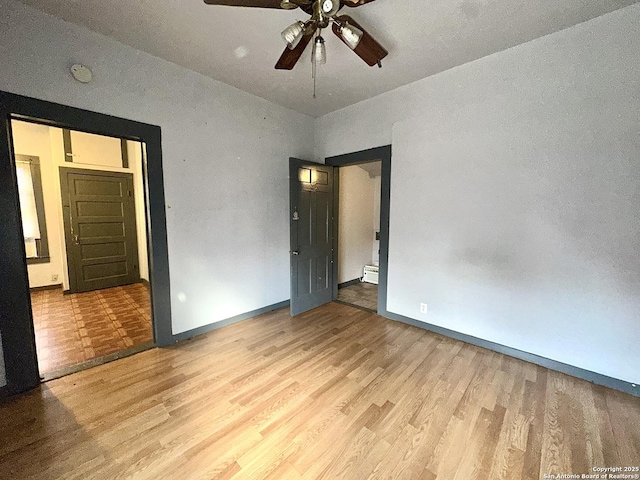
(552, 117)
(225, 157)
(515, 194)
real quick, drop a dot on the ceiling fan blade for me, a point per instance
(355, 3)
(255, 3)
(246, 3)
(368, 49)
(289, 58)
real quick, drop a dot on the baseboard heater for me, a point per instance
(370, 274)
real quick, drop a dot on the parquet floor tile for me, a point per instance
(73, 329)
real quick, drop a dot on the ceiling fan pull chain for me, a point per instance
(313, 73)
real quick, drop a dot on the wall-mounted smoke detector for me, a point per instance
(81, 73)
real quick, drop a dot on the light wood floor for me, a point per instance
(337, 393)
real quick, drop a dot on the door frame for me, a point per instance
(366, 156)
(66, 220)
(16, 321)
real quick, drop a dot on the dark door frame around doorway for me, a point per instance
(16, 323)
(366, 156)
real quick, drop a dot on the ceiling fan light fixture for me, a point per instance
(351, 35)
(288, 5)
(293, 34)
(319, 52)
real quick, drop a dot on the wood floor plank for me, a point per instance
(335, 393)
(535, 406)
(512, 437)
(626, 426)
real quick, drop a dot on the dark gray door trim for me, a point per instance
(68, 149)
(366, 156)
(16, 324)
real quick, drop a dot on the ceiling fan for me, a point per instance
(323, 13)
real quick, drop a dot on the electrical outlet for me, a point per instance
(423, 308)
(54, 277)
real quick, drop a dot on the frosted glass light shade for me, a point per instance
(319, 52)
(287, 5)
(351, 35)
(293, 34)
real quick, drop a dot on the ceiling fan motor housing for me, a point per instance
(323, 13)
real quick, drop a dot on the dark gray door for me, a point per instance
(311, 227)
(100, 228)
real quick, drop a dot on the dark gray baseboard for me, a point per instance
(355, 281)
(57, 286)
(229, 321)
(577, 372)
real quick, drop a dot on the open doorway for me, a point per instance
(359, 234)
(82, 204)
(356, 263)
(17, 337)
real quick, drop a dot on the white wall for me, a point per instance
(33, 139)
(225, 157)
(136, 160)
(95, 149)
(377, 187)
(355, 222)
(515, 194)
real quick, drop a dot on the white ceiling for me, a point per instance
(423, 37)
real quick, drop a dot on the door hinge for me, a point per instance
(129, 192)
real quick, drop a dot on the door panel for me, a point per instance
(93, 231)
(311, 227)
(103, 250)
(100, 228)
(109, 186)
(100, 209)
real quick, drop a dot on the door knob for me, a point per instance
(295, 252)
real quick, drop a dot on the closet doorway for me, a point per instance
(361, 222)
(359, 234)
